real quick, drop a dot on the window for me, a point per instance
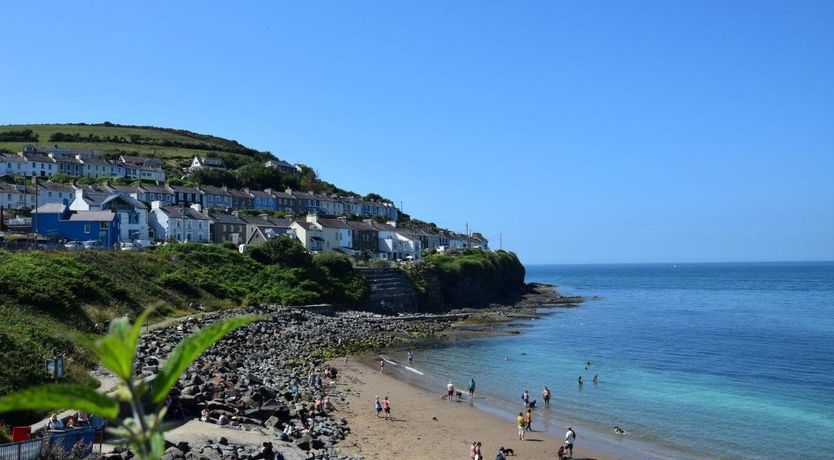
(105, 225)
(133, 218)
(87, 228)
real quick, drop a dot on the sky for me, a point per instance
(578, 132)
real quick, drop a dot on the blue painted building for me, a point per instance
(56, 220)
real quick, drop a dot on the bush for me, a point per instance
(334, 263)
(288, 252)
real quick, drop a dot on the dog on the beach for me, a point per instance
(509, 451)
(458, 394)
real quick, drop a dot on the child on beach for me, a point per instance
(386, 406)
(520, 423)
(377, 406)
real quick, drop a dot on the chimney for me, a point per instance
(197, 207)
(156, 204)
(236, 213)
(288, 190)
(312, 217)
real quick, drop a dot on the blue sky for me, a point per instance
(650, 131)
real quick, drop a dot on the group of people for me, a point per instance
(79, 419)
(475, 452)
(383, 406)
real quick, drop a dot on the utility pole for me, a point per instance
(500, 241)
(35, 215)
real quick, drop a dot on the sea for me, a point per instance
(725, 360)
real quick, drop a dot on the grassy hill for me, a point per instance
(174, 146)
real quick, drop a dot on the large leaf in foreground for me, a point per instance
(189, 349)
(59, 396)
(117, 349)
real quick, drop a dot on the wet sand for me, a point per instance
(426, 427)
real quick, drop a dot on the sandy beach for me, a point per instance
(426, 427)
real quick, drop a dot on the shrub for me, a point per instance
(281, 251)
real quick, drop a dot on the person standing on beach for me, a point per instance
(410, 357)
(570, 437)
(546, 396)
(471, 390)
(528, 420)
(525, 397)
(386, 406)
(520, 423)
(381, 364)
(450, 391)
(472, 450)
(377, 406)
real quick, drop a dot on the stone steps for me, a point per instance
(391, 290)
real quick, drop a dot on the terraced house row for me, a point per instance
(46, 162)
(111, 218)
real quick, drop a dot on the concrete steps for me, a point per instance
(391, 290)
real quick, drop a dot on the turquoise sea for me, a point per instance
(694, 360)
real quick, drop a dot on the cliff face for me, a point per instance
(472, 278)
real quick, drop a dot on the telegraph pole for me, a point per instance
(500, 241)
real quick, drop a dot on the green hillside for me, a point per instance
(175, 146)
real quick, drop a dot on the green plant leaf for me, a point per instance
(189, 349)
(117, 349)
(59, 396)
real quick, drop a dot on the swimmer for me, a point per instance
(596, 378)
(580, 380)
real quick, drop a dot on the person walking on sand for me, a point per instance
(472, 450)
(377, 406)
(528, 420)
(381, 364)
(520, 423)
(386, 406)
(471, 390)
(546, 396)
(570, 438)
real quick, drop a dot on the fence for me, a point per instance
(66, 440)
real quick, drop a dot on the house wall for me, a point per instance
(51, 224)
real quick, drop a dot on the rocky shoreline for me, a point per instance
(259, 377)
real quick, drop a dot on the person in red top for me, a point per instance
(386, 407)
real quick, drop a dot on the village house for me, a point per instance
(304, 202)
(227, 228)
(56, 220)
(310, 234)
(337, 234)
(132, 214)
(262, 199)
(282, 166)
(262, 228)
(284, 201)
(186, 196)
(39, 165)
(184, 224)
(14, 165)
(142, 168)
(241, 199)
(365, 237)
(206, 162)
(147, 193)
(17, 196)
(216, 197)
(68, 165)
(394, 245)
(49, 192)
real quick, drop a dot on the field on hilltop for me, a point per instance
(175, 147)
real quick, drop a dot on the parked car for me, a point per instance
(128, 246)
(91, 244)
(74, 245)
